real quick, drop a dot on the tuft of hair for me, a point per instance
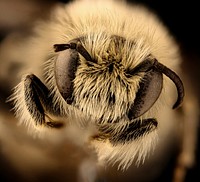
(123, 155)
(21, 111)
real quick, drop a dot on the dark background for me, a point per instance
(182, 19)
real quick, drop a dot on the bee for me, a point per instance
(107, 65)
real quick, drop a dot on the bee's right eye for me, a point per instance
(65, 69)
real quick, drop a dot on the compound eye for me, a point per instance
(65, 69)
(149, 90)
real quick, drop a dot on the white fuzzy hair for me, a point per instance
(97, 20)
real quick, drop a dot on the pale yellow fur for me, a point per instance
(97, 20)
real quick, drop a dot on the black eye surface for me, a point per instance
(65, 69)
(151, 86)
(149, 90)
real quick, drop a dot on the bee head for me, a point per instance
(119, 80)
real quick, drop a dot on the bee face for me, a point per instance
(105, 84)
(101, 88)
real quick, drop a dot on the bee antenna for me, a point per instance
(77, 46)
(175, 78)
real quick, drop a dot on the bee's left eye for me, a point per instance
(151, 86)
(149, 90)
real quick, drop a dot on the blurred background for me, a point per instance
(16, 18)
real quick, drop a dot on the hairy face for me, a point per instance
(115, 84)
(101, 85)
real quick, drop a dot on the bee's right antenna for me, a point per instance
(76, 46)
